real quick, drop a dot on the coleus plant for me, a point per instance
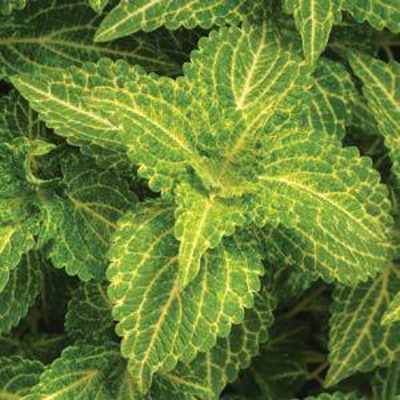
(199, 199)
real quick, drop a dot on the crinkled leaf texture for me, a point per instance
(386, 382)
(358, 342)
(48, 36)
(159, 322)
(131, 16)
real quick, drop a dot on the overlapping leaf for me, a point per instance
(85, 372)
(358, 341)
(160, 323)
(131, 16)
(18, 376)
(98, 5)
(20, 292)
(314, 19)
(381, 87)
(8, 6)
(324, 201)
(379, 13)
(337, 396)
(208, 374)
(89, 312)
(86, 217)
(48, 35)
(393, 312)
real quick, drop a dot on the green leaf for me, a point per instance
(208, 374)
(393, 312)
(329, 109)
(327, 209)
(386, 383)
(17, 377)
(202, 220)
(85, 372)
(381, 88)
(151, 307)
(131, 16)
(48, 36)
(362, 117)
(314, 19)
(89, 313)
(8, 6)
(98, 5)
(86, 217)
(358, 342)
(20, 292)
(379, 13)
(337, 396)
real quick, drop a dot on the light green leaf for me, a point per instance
(314, 19)
(89, 313)
(8, 6)
(381, 88)
(337, 396)
(379, 13)
(20, 292)
(331, 96)
(393, 312)
(152, 309)
(131, 16)
(98, 5)
(325, 205)
(17, 377)
(386, 383)
(48, 36)
(85, 372)
(86, 217)
(210, 372)
(202, 220)
(358, 342)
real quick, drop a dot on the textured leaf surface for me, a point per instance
(17, 377)
(201, 222)
(48, 35)
(379, 13)
(94, 201)
(386, 383)
(358, 342)
(210, 372)
(89, 313)
(314, 19)
(85, 372)
(326, 201)
(381, 87)
(20, 292)
(331, 96)
(159, 322)
(131, 16)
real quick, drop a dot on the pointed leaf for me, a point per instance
(202, 221)
(48, 36)
(152, 309)
(358, 342)
(314, 19)
(131, 16)
(98, 5)
(327, 208)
